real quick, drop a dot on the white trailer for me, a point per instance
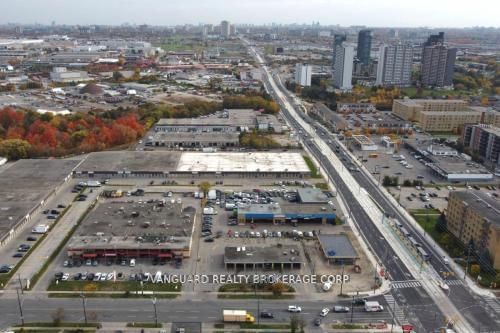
(212, 195)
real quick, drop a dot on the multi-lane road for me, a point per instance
(39, 309)
(480, 313)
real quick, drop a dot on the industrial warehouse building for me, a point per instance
(267, 257)
(25, 188)
(364, 143)
(187, 140)
(338, 249)
(194, 165)
(124, 230)
(312, 207)
(232, 120)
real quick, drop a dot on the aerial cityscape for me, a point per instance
(236, 167)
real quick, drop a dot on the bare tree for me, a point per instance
(58, 316)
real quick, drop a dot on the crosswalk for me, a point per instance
(454, 282)
(493, 303)
(405, 284)
(398, 312)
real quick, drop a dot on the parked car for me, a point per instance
(18, 255)
(31, 239)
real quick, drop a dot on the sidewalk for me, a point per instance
(457, 268)
(369, 253)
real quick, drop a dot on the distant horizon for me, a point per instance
(246, 25)
(432, 14)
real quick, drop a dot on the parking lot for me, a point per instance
(389, 164)
(212, 233)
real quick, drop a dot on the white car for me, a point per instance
(65, 277)
(294, 308)
(444, 286)
(110, 276)
(324, 312)
(103, 276)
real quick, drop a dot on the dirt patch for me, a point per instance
(362, 282)
(179, 98)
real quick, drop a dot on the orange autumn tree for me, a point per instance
(49, 135)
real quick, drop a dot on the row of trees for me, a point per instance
(26, 134)
(251, 102)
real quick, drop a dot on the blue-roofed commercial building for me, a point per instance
(286, 212)
(338, 249)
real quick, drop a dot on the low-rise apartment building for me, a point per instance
(443, 115)
(485, 141)
(474, 216)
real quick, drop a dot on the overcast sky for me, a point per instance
(399, 13)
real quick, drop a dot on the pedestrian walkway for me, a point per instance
(493, 303)
(454, 282)
(405, 284)
(397, 311)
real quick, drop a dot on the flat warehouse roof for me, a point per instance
(131, 161)
(337, 246)
(242, 162)
(235, 117)
(197, 137)
(135, 225)
(265, 254)
(25, 183)
(363, 139)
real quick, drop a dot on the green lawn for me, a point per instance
(250, 287)
(265, 326)
(427, 221)
(60, 324)
(111, 295)
(131, 286)
(145, 325)
(312, 167)
(253, 296)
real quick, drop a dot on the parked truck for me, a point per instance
(212, 195)
(40, 229)
(373, 306)
(237, 316)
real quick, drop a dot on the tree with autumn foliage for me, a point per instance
(42, 135)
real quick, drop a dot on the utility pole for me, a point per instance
(20, 306)
(467, 263)
(352, 307)
(393, 312)
(84, 307)
(156, 314)
(258, 303)
(375, 278)
(342, 279)
(20, 283)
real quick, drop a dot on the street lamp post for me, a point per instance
(20, 307)
(84, 307)
(352, 307)
(258, 303)
(342, 279)
(393, 312)
(156, 314)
